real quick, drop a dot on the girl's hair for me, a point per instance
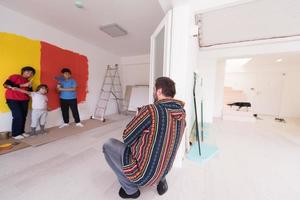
(42, 86)
(28, 68)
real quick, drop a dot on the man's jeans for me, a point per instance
(113, 151)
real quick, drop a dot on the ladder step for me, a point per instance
(103, 99)
(100, 107)
(112, 76)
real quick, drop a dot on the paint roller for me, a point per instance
(8, 145)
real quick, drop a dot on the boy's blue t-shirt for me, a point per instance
(70, 83)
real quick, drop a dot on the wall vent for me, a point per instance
(113, 30)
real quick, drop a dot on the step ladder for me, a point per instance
(111, 89)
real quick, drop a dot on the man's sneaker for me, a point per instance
(124, 195)
(79, 124)
(25, 135)
(162, 187)
(19, 137)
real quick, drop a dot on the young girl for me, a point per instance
(17, 101)
(39, 107)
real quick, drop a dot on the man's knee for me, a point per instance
(108, 145)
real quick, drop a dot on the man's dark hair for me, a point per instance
(64, 70)
(167, 85)
(28, 68)
(42, 86)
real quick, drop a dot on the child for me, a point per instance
(39, 107)
(68, 97)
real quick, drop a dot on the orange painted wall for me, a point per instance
(48, 60)
(53, 59)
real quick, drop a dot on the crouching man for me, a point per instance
(150, 143)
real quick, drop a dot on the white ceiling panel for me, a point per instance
(138, 17)
(260, 19)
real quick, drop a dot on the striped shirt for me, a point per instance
(152, 139)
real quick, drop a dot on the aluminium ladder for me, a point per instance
(111, 89)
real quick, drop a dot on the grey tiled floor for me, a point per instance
(257, 161)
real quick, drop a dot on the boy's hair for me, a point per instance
(167, 85)
(64, 70)
(28, 68)
(42, 86)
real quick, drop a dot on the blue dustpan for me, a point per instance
(208, 151)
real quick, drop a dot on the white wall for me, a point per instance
(274, 93)
(134, 70)
(187, 57)
(241, 50)
(207, 64)
(207, 69)
(14, 22)
(271, 19)
(219, 88)
(208, 58)
(290, 103)
(185, 60)
(183, 64)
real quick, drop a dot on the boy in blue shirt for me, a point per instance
(68, 97)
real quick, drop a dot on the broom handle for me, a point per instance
(196, 116)
(202, 125)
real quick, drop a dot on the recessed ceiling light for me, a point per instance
(279, 60)
(79, 3)
(114, 30)
(236, 64)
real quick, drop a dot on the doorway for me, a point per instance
(268, 82)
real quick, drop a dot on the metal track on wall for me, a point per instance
(199, 21)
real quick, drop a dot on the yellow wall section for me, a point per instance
(15, 53)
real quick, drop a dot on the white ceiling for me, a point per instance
(290, 59)
(138, 17)
(200, 5)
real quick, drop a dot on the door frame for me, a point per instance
(166, 24)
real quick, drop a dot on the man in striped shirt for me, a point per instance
(150, 143)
